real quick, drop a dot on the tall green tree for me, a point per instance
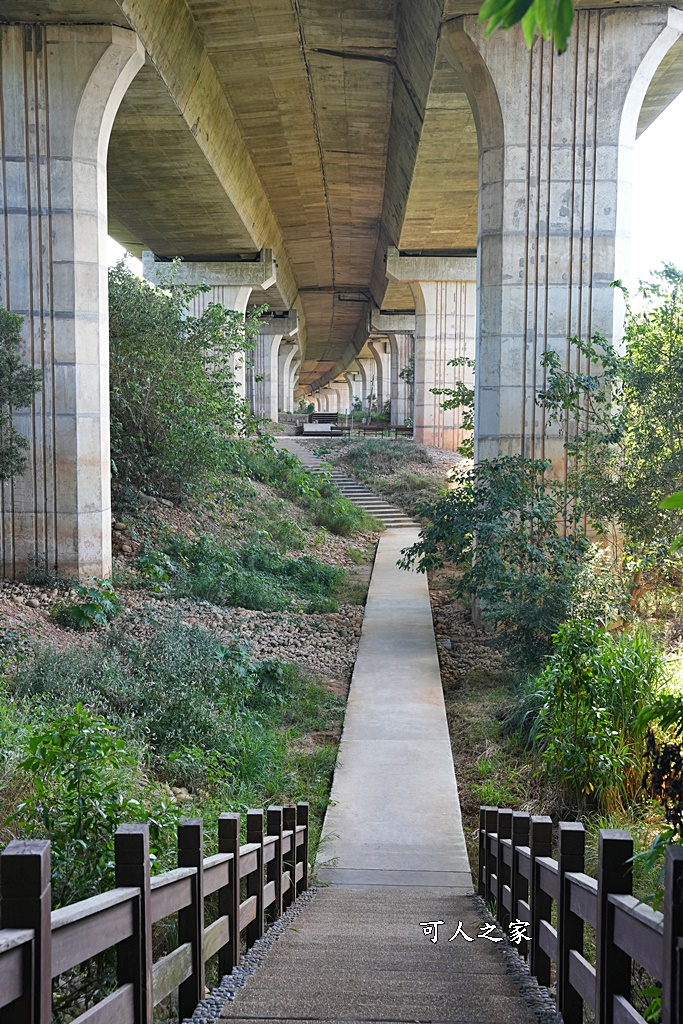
(18, 385)
(175, 402)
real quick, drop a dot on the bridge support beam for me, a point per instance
(556, 136)
(381, 353)
(444, 289)
(61, 87)
(286, 367)
(230, 284)
(265, 365)
(399, 330)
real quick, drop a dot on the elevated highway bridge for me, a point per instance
(390, 182)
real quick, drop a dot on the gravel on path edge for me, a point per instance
(210, 1009)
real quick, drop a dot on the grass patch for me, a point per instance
(254, 575)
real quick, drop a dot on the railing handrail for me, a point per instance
(520, 878)
(37, 943)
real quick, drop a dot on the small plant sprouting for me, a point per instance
(94, 606)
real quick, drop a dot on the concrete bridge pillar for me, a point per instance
(381, 354)
(399, 331)
(444, 289)
(293, 382)
(353, 379)
(368, 374)
(265, 366)
(556, 136)
(230, 284)
(61, 86)
(285, 390)
(402, 347)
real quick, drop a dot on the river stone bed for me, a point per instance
(540, 1000)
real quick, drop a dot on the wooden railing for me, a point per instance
(38, 944)
(521, 879)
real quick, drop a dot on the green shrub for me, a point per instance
(85, 781)
(96, 606)
(255, 575)
(174, 399)
(501, 526)
(589, 700)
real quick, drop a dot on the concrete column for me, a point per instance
(380, 351)
(368, 373)
(61, 86)
(341, 388)
(264, 362)
(230, 284)
(295, 366)
(285, 391)
(556, 136)
(444, 289)
(399, 330)
(402, 347)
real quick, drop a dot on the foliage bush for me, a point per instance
(501, 526)
(198, 711)
(174, 400)
(622, 419)
(18, 385)
(98, 604)
(585, 712)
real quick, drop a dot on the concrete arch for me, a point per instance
(555, 148)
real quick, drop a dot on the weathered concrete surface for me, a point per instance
(362, 956)
(445, 295)
(61, 86)
(394, 819)
(556, 149)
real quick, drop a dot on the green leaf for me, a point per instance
(673, 501)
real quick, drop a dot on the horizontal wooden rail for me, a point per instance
(37, 944)
(521, 881)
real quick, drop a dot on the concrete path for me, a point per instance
(394, 855)
(362, 956)
(395, 815)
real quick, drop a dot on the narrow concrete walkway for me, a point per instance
(395, 815)
(394, 854)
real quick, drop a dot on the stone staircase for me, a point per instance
(391, 516)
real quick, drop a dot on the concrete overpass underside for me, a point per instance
(394, 162)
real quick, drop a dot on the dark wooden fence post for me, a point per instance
(229, 898)
(541, 845)
(570, 857)
(302, 818)
(672, 981)
(26, 903)
(255, 879)
(504, 830)
(483, 849)
(613, 966)
(274, 866)
(519, 884)
(191, 919)
(134, 956)
(289, 862)
(491, 823)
